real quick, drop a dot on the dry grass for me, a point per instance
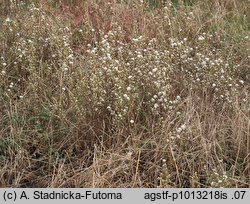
(125, 93)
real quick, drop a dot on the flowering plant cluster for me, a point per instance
(125, 93)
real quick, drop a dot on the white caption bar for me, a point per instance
(122, 195)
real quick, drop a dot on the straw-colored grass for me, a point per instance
(125, 93)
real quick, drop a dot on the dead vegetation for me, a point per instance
(125, 93)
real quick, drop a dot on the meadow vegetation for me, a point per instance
(125, 93)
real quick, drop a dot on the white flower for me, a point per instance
(129, 88)
(156, 105)
(126, 96)
(178, 113)
(200, 38)
(183, 127)
(4, 64)
(8, 19)
(241, 81)
(71, 56)
(154, 70)
(178, 130)
(178, 98)
(132, 121)
(174, 44)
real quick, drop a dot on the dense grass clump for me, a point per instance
(125, 93)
